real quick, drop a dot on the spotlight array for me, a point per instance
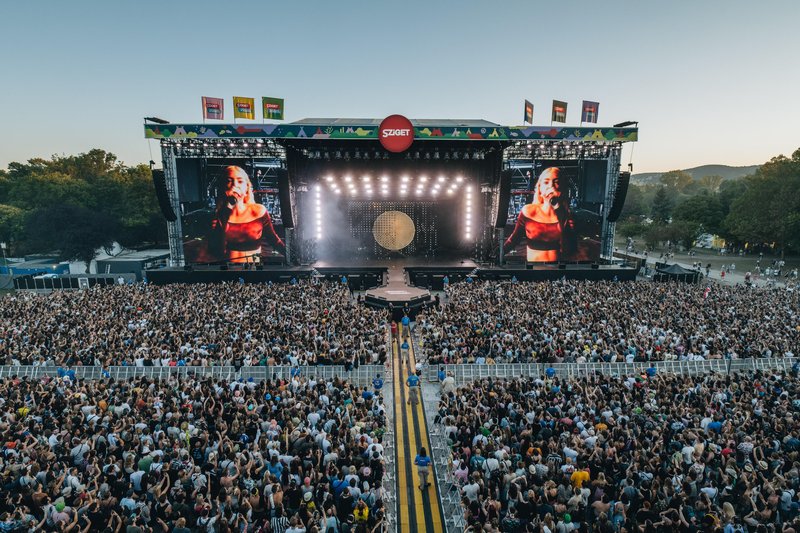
(468, 213)
(384, 186)
(318, 209)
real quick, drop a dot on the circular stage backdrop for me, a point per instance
(394, 230)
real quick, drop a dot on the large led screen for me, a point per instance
(555, 212)
(230, 211)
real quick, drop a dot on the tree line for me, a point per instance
(761, 211)
(75, 205)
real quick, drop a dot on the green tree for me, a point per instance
(768, 211)
(631, 229)
(677, 179)
(711, 183)
(635, 203)
(704, 210)
(12, 226)
(95, 181)
(663, 203)
(76, 232)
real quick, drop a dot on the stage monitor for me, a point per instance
(236, 215)
(557, 215)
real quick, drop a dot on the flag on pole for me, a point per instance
(589, 112)
(244, 107)
(528, 113)
(213, 108)
(559, 111)
(272, 107)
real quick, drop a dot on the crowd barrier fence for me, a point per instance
(362, 375)
(471, 372)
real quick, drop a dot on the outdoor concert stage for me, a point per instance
(335, 198)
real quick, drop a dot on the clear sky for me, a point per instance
(710, 81)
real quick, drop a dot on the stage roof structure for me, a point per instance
(367, 129)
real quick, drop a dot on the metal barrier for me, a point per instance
(363, 375)
(471, 372)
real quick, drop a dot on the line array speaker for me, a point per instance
(619, 196)
(160, 183)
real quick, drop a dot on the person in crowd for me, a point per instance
(545, 224)
(224, 324)
(189, 454)
(571, 321)
(658, 452)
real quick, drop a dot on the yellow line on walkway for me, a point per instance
(404, 511)
(433, 489)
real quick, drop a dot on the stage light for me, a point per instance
(318, 201)
(337, 191)
(366, 177)
(440, 179)
(338, 154)
(419, 192)
(469, 189)
(328, 178)
(459, 179)
(384, 178)
(348, 179)
(423, 179)
(436, 155)
(450, 191)
(404, 179)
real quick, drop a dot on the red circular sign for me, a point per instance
(396, 133)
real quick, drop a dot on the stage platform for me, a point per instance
(391, 275)
(397, 293)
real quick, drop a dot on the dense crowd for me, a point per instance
(578, 321)
(189, 325)
(191, 455)
(642, 453)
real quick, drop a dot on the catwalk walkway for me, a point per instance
(417, 511)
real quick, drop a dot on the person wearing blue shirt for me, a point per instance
(377, 383)
(413, 388)
(406, 322)
(423, 463)
(404, 351)
(441, 374)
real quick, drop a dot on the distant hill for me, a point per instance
(727, 173)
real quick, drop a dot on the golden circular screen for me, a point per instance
(393, 230)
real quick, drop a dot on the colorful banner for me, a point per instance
(213, 108)
(272, 107)
(589, 112)
(528, 113)
(559, 111)
(244, 107)
(444, 132)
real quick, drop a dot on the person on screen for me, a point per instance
(546, 222)
(240, 223)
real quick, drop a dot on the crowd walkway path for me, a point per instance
(418, 510)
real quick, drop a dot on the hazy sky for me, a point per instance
(709, 81)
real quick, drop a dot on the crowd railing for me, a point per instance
(361, 375)
(466, 373)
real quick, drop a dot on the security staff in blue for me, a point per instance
(413, 388)
(377, 383)
(406, 325)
